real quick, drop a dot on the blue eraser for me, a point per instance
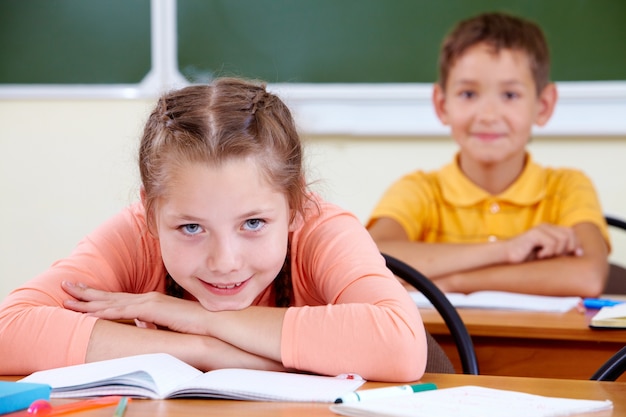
(16, 396)
(599, 303)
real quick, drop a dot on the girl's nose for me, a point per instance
(223, 256)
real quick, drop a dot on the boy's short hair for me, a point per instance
(501, 31)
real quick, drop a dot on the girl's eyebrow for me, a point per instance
(257, 212)
(195, 219)
(181, 216)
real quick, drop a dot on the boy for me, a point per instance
(493, 219)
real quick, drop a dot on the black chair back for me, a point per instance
(612, 368)
(448, 312)
(616, 283)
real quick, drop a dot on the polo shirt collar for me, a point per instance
(459, 191)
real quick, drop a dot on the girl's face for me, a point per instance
(223, 233)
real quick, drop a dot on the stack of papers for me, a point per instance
(504, 301)
(470, 401)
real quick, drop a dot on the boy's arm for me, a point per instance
(433, 259)
(583, 275)
(503, 265)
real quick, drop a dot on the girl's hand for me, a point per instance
(183, 316)
(541, 242)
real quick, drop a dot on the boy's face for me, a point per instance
(490, 103)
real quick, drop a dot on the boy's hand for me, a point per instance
(541, 242)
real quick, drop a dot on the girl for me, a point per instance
(227, 261)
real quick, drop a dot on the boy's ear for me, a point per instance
(547, 101)
(439, 103)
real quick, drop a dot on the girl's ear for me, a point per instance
(149, 220)
(293, 216)
(142, 195)
(439, 103)
(547, 101)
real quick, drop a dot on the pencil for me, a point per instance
(121, 407)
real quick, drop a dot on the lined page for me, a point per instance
(501, 300)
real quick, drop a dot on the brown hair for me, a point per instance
(500, 31)
(229, 118)
(211, 124)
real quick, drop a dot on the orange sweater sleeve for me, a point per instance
(38, 333)
(351, 314)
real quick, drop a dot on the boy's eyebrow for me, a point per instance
(464, 81)
(470, 82)
(512, 82)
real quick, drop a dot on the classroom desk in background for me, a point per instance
(530, 344)
(566, 388)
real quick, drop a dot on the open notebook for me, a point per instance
(612, 317)
(160, 375)
(504, 301)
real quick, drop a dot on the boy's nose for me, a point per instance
(488, 110)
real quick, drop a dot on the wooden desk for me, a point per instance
(591, 390)
(546, 345)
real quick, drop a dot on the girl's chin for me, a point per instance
(223, 306)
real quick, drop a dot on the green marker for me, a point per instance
(369, 394)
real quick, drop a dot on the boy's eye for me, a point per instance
(191, 229)
(467, 94)
(253, 224)
(510, 95)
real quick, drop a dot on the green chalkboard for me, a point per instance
(300, 41)
(377, 41)
(74, 41)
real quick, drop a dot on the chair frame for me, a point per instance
(613, 368)
(616, 283)
(448, 312)
(615, 222)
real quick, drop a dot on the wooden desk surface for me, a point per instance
(519, 343)
(572, 325)
(591, 390)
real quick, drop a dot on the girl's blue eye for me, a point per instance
(191, 229)
(254, 224)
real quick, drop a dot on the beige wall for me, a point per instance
(67, 165)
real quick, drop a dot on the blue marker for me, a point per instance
(368, 394)
(599, 303)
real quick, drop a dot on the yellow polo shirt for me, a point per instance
(445, 206)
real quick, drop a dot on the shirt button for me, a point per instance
(492, 238)
(494, 208)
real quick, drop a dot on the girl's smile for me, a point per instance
(225, 289)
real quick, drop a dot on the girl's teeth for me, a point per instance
(228, 287)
